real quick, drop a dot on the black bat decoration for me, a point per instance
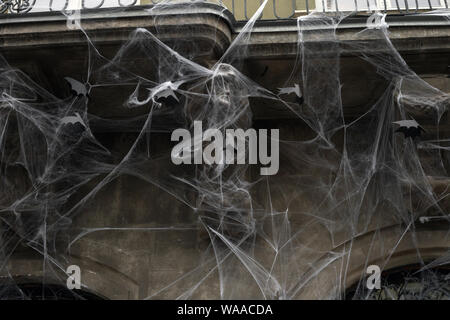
(410, 128)
(72, 128)
(77, 87)
(73, 120)
(289, 90)
(165, 93)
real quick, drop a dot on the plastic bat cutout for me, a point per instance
(290, 90)
(410, 128)
(72, 128)
(165, 92)
(77, 87)
(73, 120)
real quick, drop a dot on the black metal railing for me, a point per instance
(241, 9)
(16, 6)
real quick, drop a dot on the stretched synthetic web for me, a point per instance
(80, 188)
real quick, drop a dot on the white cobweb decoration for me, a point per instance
(79, 188)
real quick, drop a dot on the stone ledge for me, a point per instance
(207, 22)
